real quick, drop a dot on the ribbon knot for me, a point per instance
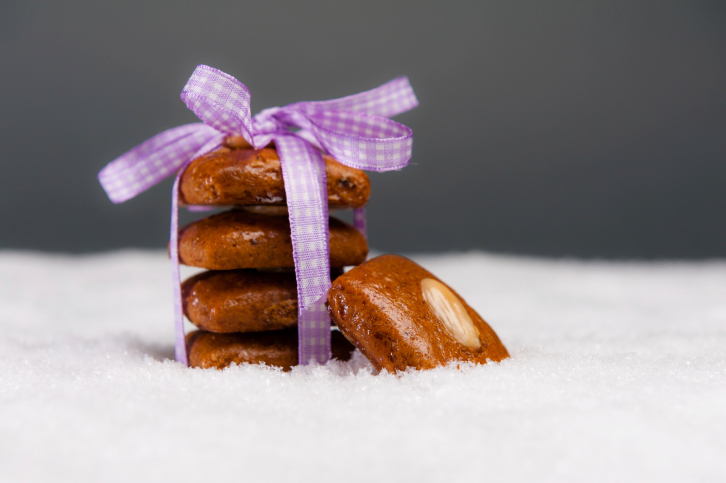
(267, 122)
(355, 130)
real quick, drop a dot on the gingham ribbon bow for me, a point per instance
(354, 130)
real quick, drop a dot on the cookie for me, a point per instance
(240, 239)
(274, 348)
(242, 300)
(399, 315)
(253, 177)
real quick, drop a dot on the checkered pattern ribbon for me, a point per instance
(354, 130)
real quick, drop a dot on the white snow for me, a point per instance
(618, 373)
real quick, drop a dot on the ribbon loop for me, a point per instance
(363, 141)
(220, 101)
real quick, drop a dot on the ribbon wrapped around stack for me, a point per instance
(355, 130)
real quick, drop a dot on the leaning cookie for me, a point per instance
(242, 300)
(275, 348)
(240, 239)
(399, 315)
(253, 176)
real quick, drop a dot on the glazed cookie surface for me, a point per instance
(274, 348)
(253, 177)
(242, 300)
(240, 239)
(399, 315)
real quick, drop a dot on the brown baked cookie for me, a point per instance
(253, 177)
(242, 300)
(239, 239)
(274, 348)
(399, 315)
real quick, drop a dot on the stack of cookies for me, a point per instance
(245, 305)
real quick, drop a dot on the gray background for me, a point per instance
(589, 129)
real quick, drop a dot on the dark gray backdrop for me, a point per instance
(557, 128)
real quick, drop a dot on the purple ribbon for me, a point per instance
(354, 130)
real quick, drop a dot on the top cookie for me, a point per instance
(399, 315)
(253, 177)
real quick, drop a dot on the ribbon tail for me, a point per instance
(152, 161)
(392, 98)
(303, 171)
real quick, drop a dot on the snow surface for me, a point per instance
(618, 373)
